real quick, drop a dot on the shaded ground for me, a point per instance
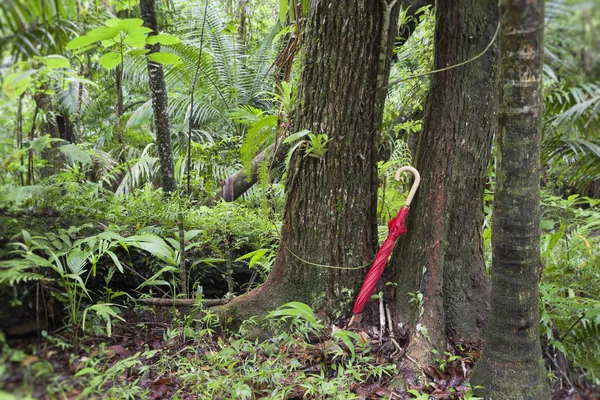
(150, 357)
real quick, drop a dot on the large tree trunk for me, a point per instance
(511, 365)
(158, 93)
(441, 255)
(329, 218)
(236, 185)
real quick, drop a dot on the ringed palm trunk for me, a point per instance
(329, 218)
(441, 254)
(158, 93)
(511, 365)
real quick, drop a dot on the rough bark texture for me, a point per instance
(330, 207)
(444, 225)
(158, 93)
(511, 365)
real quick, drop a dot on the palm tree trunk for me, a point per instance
(158, 92)
(511, 365)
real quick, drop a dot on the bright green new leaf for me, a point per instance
(283, 8)
(124, 24)
(305, 8)
(138, 52)
(103, 33)
(135, 40)
(76, 154)
(164, 58)
(163, 38)
(110, 60)
(80, 42)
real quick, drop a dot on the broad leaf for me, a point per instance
(103, 33)
(164, 58)
(110, 60)
(80, 42)
(55, 61)
(163, 38)
(76, 154)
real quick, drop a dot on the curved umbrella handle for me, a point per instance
(415, 185)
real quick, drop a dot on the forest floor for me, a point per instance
(152, 355)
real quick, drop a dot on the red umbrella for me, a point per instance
(395, 229)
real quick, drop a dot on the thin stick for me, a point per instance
(381, 319)
(162, 302)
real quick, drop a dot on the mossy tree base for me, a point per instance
(510, 380)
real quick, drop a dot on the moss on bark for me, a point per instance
(511, 364)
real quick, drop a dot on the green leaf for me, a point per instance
(103, 33)
(135, 39)
(17, 83)
(76, 154)
(254, 256)
(295, 309)
(283, 8)
(305, 8)
(54, 61)
(79, 42)
(124, 24)
(110, 60)
(164, 58)
(297, 135)
(345, 336)
(138, 52)
(163, 38)
(40, 143)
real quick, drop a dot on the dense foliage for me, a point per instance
(86, 231)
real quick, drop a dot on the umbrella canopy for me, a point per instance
(395, 229)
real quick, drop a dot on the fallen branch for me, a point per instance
(162, 302)
(238, 184)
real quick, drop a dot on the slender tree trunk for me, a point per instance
(20, 138)
(511, 365)
(441, 254)
(158, 92)
(329, 218)
(30, 166)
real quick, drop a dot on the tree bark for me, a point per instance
(511, 365)
(238, 184)
(158, 93)
(441, 254)
(329, 218)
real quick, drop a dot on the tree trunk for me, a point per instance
(511, 365)
(158, 92)
(329, 230)
(441, 254)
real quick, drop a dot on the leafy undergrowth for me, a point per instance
(153, 355)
